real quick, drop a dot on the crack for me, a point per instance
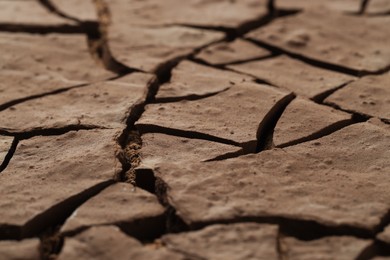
(42, 29)
(238, 62)
(246, 148)
(255, 79)
(146, 179)
(232, 33)
(9, 155)
(264, 135)
(53, 9)
(146, 229)
(14, 102)
(375, 249)
(314, 62)
(299, 228)
(279, 247)
(267, 126)
(52, 217)
(47, 131)
(150, 128)
(325, 131)
(191, 97)
(51, 243)
(319, 98)
(17, 101)
(356, 113)
(363, 6)
(99, 49)
(385, 120)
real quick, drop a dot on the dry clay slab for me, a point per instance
(234, 114)
(191, 80)
(34, 65)
(108, 242)
(232, 109)
(369, 95)
(27, 249)
(188, 149)
(345, 6)
(149, 48)
(359, 44)
(337, 180)
(103, 104)
(29, 13)
(49, 174)
(294, 75)
(343, 248)
(5, 146)
(232, 52)
(135, 210)
(213, 13)
(236, 242)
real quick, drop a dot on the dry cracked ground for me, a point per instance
(197, 129)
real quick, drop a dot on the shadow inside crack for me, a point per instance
(192, 97)
(52, 217)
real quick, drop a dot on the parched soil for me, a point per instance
(197, 129)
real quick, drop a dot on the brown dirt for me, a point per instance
(194, 130)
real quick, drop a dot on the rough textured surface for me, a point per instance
(211, 155)
(20, 250)
(189, 78)
(343, 248)
(145, 49)
(81, 10)
(29, 13)
(345, 6)
(215, 13)
(56, 55)
(227, 121)
(186, 150)
(320, 35)
(108, 208)
(34, 65)
(232, 52)
(237, 241)
(317, 174)
(294, 75)
(45, 171)
(110, 243)
(103, 104)
(5, 145)
(303, 119)
(369, 95)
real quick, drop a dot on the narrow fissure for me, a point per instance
(325, 131)
(319, 98)
(313, 62)
(42, 29)
(191, 97)
(14, 102)
(53, 9)
(47, 131)
(150, 128)
(255, 79)
(267, 126)
(9, 154)
(52, 217)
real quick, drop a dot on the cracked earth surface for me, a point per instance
(194, 129)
